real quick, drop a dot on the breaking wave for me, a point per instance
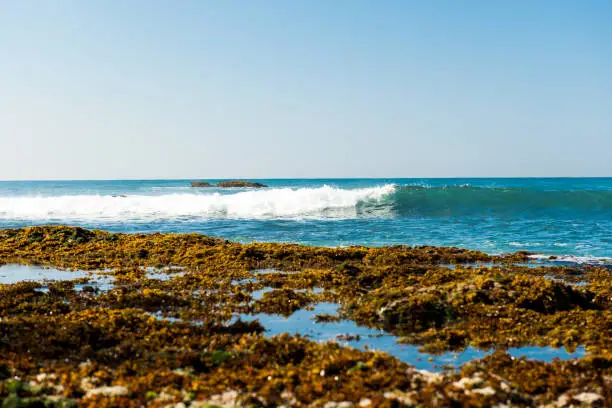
(326, 202)
(321, 202)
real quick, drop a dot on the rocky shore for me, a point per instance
(180, 338)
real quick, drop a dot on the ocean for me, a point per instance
(567, 217)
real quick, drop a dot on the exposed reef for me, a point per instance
(200, 184)
(240, 183)
(229, 184)
(176, 337)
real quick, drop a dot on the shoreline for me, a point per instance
(527, 256)
(189, 326)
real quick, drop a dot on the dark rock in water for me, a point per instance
(200, 184)
(282, 301)
(419, 312)
(231, 183)
(240, 183)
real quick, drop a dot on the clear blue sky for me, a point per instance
(349, 88)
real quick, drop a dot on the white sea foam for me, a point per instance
(264, 203)
(579, 260)
(525, 244)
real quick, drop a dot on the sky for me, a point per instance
(148, 89)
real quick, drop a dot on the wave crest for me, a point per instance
(322, 202)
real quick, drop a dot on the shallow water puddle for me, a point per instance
(301, 322)
(164, 274)
(243, 281)
(349, 333)
(13, 273)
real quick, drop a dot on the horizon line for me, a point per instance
(306, 178)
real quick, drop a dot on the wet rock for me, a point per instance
(418, 312)
(282, 301)
(200, 184)
(348, 337)
(240, 184)
(326, 318)
(548, 296)
(89, 289)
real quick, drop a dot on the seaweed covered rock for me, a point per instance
(172, 339)
(200, 184)
(282, 301)
(240, 184)
(417, 312)
(548, 296)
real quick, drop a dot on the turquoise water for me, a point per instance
(569, 217)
